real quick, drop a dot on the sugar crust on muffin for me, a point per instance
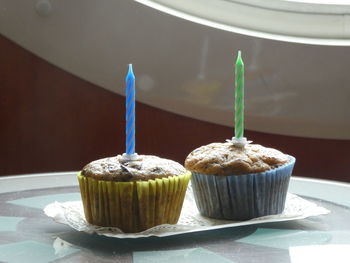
(228, 159)
(144, 168)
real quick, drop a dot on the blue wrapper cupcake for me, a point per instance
(239, 183)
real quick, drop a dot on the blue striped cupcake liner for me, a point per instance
(242, 197)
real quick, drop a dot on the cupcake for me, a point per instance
(239, 182)
(133, 195)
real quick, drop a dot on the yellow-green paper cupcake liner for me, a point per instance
(133, 206)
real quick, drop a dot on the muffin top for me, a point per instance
(228, 159)
(144, 168)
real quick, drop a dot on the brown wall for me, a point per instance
(54, 121)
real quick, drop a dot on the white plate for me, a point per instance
(72, 214)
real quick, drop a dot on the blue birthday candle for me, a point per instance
(130, 112)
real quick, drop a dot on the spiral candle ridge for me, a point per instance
(130, 112)
(239, 97)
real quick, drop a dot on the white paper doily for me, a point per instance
(72, 214)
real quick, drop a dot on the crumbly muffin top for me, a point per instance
(228, 159)
(144, 168)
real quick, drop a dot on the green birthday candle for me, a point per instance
(239, 97)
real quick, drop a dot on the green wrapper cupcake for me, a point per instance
(239, 182)
(133, 195)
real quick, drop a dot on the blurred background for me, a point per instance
(63, 66)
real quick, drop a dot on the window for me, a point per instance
(322, 22)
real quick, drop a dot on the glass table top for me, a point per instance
(28, 235)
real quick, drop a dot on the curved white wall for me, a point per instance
(183, 67)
